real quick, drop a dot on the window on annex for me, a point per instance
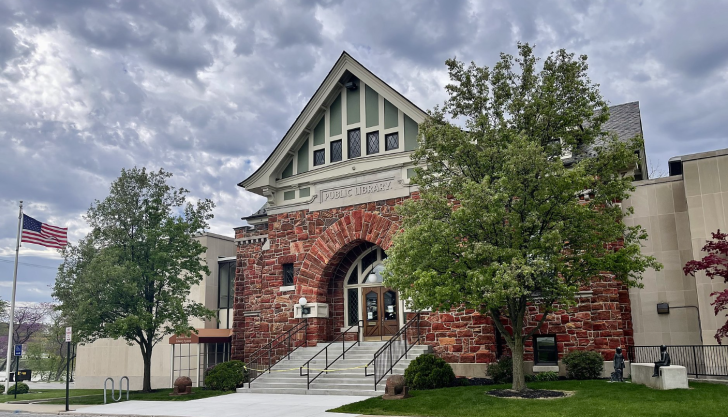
(336, 152)
(354, 143)
(372, 142)
(391, 141)
(287, 275)
(319, 157)
(545, 350)
(225, 283)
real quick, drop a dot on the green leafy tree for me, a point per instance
(130, 276)
(499, 224)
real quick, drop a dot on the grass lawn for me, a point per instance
(592, 398)
(96, 396)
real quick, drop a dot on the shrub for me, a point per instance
(22, 388)
(546, 376)
(2, 388)
(501, 371)
(226, 376)
(582, 364)
(429, 372)
(462, 382)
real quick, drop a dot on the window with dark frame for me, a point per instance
(319, 157)
(336, 153)
(226, 280)
(372, 142)
(545, 350)
(354, 143)
(391, 141)
(287, 275)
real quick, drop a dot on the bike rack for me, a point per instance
(121, 380)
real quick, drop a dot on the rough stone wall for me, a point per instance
(322, 245)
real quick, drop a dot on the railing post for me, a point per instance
(391, 362)
(695, 362)
(271, 348)
(343, 346)
(289, 346)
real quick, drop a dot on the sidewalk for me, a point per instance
(231, 405)
(38, 408)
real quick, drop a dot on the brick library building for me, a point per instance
(313, 253)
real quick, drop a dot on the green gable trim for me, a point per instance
(371, 106)
(410, 134)
(335, 117)
(304, 192)
(288, 171)
(391, 118)
(319, 133)
(353, 106)
(289, 195)
(303, 158)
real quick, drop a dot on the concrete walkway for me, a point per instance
(231, 405)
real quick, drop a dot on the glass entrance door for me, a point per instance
(380, 312)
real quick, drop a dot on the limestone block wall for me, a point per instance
(661, 208)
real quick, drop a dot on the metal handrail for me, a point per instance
(698, 360)
(387, 348)
(325, 350)
(254, 370)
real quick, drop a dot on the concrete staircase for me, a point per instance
(285, 380)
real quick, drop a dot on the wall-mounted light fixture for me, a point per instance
(304, 310)
(663, 308)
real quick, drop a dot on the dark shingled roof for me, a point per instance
(624, 120)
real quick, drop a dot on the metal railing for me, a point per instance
(395, 349)
(269, 354)
(325, 351)
(699, 360)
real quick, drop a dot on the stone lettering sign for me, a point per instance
(355, 190)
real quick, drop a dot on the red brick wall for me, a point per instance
(322, 245)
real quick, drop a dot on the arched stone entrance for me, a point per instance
(328, 263)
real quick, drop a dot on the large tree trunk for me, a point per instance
(147, 356)
(519, 378)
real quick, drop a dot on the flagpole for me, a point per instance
(11, 322)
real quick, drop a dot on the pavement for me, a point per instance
(231, 405)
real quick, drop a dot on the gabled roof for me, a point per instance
(625, 120)
(345, 63)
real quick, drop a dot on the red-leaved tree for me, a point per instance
(715, 264)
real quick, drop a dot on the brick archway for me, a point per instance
(334, 243)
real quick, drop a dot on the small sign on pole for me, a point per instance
(18, 350)
(69, 334)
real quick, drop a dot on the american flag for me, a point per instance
(43, 234)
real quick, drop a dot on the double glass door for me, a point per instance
(380, 312)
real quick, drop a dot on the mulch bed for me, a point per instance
(533, 394)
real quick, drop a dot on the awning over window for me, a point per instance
(203, 336)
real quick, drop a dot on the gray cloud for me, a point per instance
(206, 89)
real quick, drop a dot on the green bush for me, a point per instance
(502, 371)
(582, 364)
(546, 376)
(429, 372)
(2, 388)
(22, 388)
(463, 382)
(226, 376)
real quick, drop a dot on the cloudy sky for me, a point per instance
(206, 89)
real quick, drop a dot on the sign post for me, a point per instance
(18, 353)
(69, 333)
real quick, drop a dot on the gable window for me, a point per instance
(391, 141)
(372, 142)
(287, 275)
(319, 157)
(336, 153)
(545, 350)
(354, 138)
